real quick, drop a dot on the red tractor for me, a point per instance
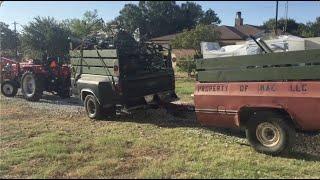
(34, 78)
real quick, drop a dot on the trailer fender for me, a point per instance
(245, 112)
(85, 92)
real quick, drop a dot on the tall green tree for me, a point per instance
(130, 17)
(44, 36)
(292, 25)
(160, 17)
(191, 13)
(315, 27)
(89, 23)
(9, 40)
(210, 17)
(157, 18)
(310, 29)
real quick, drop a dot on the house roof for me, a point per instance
(179, 53)
(248, 30)
(239, 32)
(226, 33)
(166, 37)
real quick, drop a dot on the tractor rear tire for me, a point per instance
(9, 89)
(31, 86)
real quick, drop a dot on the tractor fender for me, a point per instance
(14, 82)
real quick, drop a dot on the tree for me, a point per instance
(315, 27)
(304, 30)
(9, 40)
(157, 18)
(160, 17)
(311, 29)
(192, 39)
(210, 17)
(292, 25)
(131, 17)
(191, 14)
(44, 36)
(89, 23)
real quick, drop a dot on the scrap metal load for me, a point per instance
(144, 56)
(283, 43)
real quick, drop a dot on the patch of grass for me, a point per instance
(184, 88)
(53, 146)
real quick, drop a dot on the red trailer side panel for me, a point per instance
(218, 104)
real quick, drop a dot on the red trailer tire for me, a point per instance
(270, 133)
(31, 86)
(9, 89)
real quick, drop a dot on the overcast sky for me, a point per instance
(253, 12)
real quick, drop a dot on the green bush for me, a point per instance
(187, 64)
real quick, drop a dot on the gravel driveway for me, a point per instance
(52, 102)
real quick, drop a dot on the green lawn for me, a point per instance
(184, 88)
(38, 144)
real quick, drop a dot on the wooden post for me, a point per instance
(15, 39)
(276, 28)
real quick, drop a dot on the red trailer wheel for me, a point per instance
(270, 133)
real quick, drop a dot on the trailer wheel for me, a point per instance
(270, 133)
(31, 86)
(9, 89)
(93, 108)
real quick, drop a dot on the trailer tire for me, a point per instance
(270, 133)
(9, 89)
(31, 86)
(93, 108)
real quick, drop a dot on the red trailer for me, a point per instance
(270, 96)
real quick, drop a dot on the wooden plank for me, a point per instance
(93, 62)
(293, 57)
(262, 74)
(92, 70)
(111, 53)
